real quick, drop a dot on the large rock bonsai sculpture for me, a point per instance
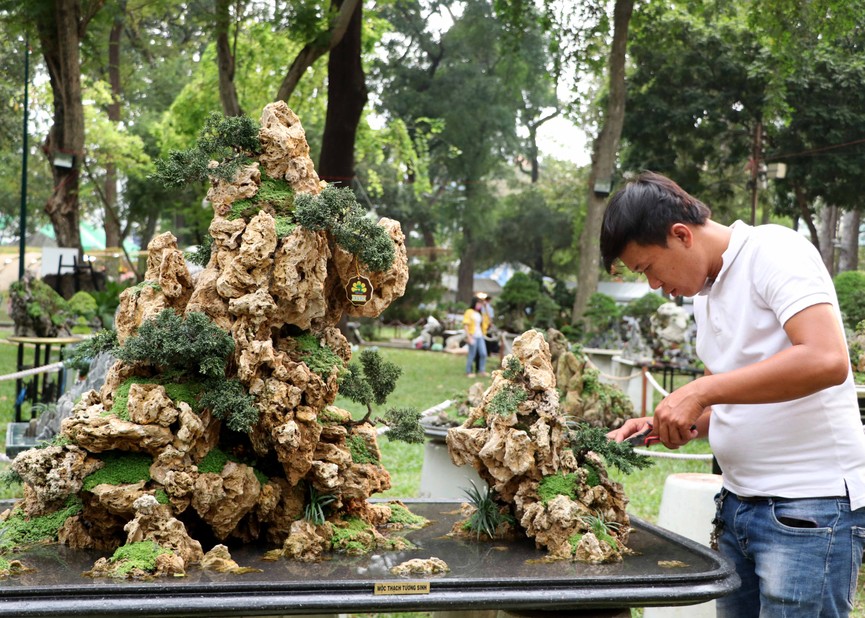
(546, 475)
(217, 419)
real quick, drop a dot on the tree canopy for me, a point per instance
(430, 111)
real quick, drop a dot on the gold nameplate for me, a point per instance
(401, 588)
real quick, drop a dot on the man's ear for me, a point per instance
(682, 233)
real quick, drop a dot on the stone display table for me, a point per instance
(666, 569)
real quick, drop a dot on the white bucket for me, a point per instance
(441, 479)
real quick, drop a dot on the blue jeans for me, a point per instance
(477, 348)
(796, 557)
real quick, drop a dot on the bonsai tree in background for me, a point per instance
(523, 304)
(642, 309)
(602, 320)
(39, 311)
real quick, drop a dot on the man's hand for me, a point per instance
(631, 427)
(677, 414)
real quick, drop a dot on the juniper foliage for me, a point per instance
(354, 385)
(79, 357)
(232, 141)
(229, 401)
(201, 257)
(585, 438)
(194, 350)
(404, 425)
(382, 374)
(192, 345)
(336, 209)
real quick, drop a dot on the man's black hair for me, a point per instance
(643, 212)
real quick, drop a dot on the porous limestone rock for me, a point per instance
(586, 398)
(266, 290)
(219, 559)
(51, 475)
(167, 285)
(154, 522)
(285, 152)
(421, 566)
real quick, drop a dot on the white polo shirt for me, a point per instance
(808, 447)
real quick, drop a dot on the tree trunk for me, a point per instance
(848, 257)
(828, 230)
(428, 233)
(60, 35)
(806, 216)
(346, 98)
(466, 269)
(603, 161)
(318, 48)
(533, 152)
(225, 59)
(111, 220)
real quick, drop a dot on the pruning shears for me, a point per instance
(644, 439)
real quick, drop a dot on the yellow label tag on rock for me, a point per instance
(401, 588)
(359, 290)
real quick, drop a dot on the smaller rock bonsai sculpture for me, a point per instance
(546, 476)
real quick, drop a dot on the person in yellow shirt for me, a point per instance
(475, 324)
(487, 315)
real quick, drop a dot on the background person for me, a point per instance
(777, 401)
(475, 327)
(487, 314)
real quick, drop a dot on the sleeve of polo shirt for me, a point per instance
(790, 275)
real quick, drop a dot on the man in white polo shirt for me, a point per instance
(777, 401)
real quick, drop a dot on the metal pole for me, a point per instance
(22, 220)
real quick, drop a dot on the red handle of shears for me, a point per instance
(644, 439)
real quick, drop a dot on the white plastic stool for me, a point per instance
(687, 508)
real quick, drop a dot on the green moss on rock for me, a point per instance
(353, 536)
(139, 556)
(273, 192)
(121, 468)
(318, 357)
(557, 485)
(20, 530)
(213, 462)
(399, 514)
(188, 392)
(359, 449)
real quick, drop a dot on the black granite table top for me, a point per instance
(666, 569)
